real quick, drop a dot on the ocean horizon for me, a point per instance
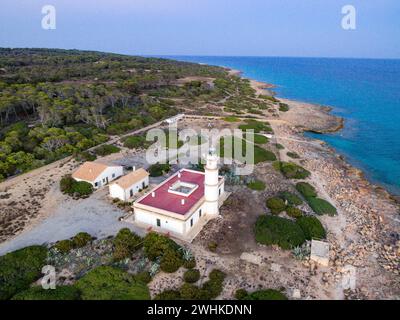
(365, 92)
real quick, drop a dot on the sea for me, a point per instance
(365, 92)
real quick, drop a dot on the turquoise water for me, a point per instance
(365, 92)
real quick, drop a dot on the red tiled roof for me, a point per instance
(172, 202)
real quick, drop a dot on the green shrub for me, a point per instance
(189, 264)
(256, 126)
(294, 212)
(291, 170)
(189, 291)
(157, 169)
(191, 276)
(293, 155)
(69, 186)
(217, 275)
(306, 189)
(241, 294)
(231, 119)
(275, 205)
(108, 283)
(291, 198)
(18, 269)
(135, 142)
(268, 294)
(125, 243)
(106, 149)
(81, 239)
(261, 155)
(259, 139)
(321, 206)
(280, 231)
(64, 246)
(212, 246)
(171, 261)
(59, 293)
(257, 185)
(312, 228)
(168, 295)
(84, 156)
(279, 146)
(283, 107)
(156, 245)
(143, 276)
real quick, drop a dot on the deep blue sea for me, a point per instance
(365, 92)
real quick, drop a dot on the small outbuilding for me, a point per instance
(127, 186)
(97, 174)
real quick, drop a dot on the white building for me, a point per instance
(183, 203)
(97, 174)
(127, 186)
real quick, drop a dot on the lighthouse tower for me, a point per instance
(211, 184)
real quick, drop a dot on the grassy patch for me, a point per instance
(231, 119)
(59, 293)
(283, 232)
(291, 170)
(283, 107)
(106, 149)
(259, 139)
(321, 206)
(306, 189)
(134, 142)
(257, 185)
(293, 155)
(312, 228)
(276, 205)
(291, 198)
(268, 294)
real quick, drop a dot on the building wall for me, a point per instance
(196, 217)
(167, 223)
(109, 172)
(117, 191)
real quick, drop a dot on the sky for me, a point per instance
(309, 28)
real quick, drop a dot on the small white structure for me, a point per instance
(183, 203)
(97, 174)
(320, 252)
(175, 118)
(127, 186)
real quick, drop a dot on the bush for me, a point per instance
(312, 228)
(106, 149)
(168, 295)
(256, 185)
(231, 119)
(171, 261)
(157, 169)
(19, 269)
(134, 142)
(189, 264)
(291, 198)
(156, 245)
(293, 155)
(268, 294)
(70, 186)
(59, 293)
(108, 283)
(64, 246)
(189, 291)
(212, 246)
(241, 294)
(280, 231)
(321, 206)
(291, 170)
(81, 239)
(279, 146)
(84, 156)
(144, 277)
(191, 276)
(283, 107)
(294, 212)
(125, 243)
(276, 205)
(306, 189)
(217, 275)
(261, 155)
(259, 139)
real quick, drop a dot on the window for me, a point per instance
(131, 193)
(143, 185)
(158, 223)
(191, 222)
(219, 192)
(104, 180)
(113, 175)
(96, 184)
(200, 213)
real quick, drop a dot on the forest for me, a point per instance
(55, 103)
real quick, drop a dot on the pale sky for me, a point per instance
(207, 27)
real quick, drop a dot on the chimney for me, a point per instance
(153, 194)
(182, 201)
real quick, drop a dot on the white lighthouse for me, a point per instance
(211, 192)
